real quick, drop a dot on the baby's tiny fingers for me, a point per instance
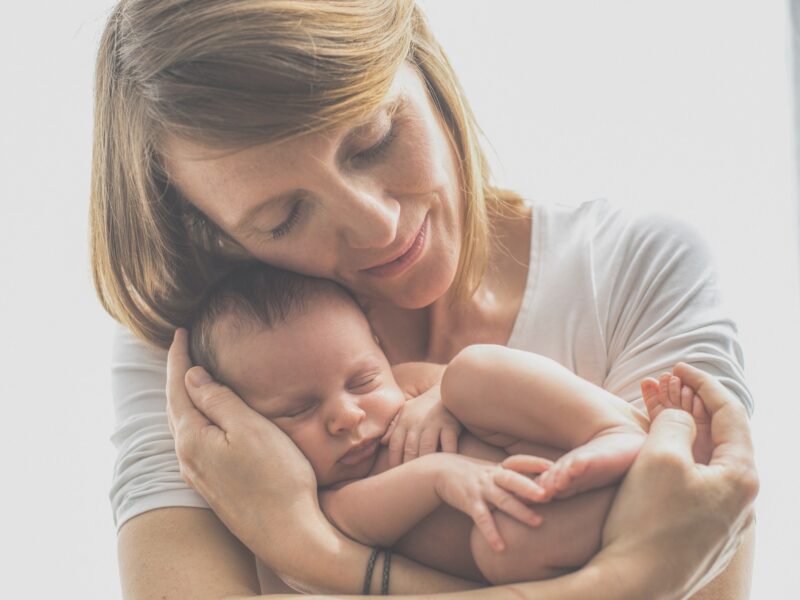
(484, 521)
(514, 508)
(527, 463)
(429, 441)
(411, 447)
(520, 485)
(390, 431)
(449, 437)
(396, 446)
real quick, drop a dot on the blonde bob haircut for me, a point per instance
(232, 74)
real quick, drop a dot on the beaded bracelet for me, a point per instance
(371, 567)
(387, 561)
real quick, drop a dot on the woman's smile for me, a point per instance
(408, 257)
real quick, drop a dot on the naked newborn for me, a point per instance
(300, 352)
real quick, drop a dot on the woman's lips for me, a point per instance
(405, 260)
(360, 454)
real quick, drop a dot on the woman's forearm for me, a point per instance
(589, 582)
(314, 557)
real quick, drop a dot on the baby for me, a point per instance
(300, 352)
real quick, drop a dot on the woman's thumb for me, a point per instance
(672, 432)
(216, 401)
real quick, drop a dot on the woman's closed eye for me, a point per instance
(291, 220)
(375, 151)
(372, 153)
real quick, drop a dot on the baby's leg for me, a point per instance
(569, 536)
(668, 391)
(504, 396)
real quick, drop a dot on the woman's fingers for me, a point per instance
(181, 413)
(672, 433)
(217, 402)
(730, 433)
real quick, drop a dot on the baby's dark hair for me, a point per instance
(253, 294)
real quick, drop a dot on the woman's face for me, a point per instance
(343, 204)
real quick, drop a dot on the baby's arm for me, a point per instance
(379, 510)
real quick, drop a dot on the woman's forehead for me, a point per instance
(245, 178)
(407, 86)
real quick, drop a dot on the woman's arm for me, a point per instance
(183, 553)
(734, 582)
(673, 521)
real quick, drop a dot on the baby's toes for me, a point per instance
(663, 390)
(564, 475)
(578, 465)
(546, 481)
(649, 389)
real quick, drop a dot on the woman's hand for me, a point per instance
(674, 521)
(247, 469)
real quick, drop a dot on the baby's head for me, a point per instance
(300, 351)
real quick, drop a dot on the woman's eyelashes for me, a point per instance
(371, 154)
(290, 222)
(374, 152)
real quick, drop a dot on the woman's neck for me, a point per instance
(438, 332)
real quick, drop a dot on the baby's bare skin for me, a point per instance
(516, 403)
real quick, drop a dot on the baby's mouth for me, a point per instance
(360, 452)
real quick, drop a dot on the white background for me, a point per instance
(681, 106)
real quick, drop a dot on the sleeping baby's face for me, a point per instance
(322, 378)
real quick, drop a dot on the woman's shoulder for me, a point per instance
(127, 348)
(610, 237)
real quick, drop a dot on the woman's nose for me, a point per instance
(345, 414)
(368, 219)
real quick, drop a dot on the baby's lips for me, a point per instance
(388, 435)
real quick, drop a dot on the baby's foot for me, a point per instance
(668, 391)
(601, 461)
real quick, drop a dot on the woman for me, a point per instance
(331, 138)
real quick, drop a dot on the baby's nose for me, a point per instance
(346, 415)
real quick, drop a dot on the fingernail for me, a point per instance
(198, 377)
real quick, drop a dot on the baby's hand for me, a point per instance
(419, 428)
(471, 486)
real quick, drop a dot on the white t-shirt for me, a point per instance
(612, 296)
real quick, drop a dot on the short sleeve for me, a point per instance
(146, 473)
(663, 303)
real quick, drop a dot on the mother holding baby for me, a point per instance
(331, 138)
